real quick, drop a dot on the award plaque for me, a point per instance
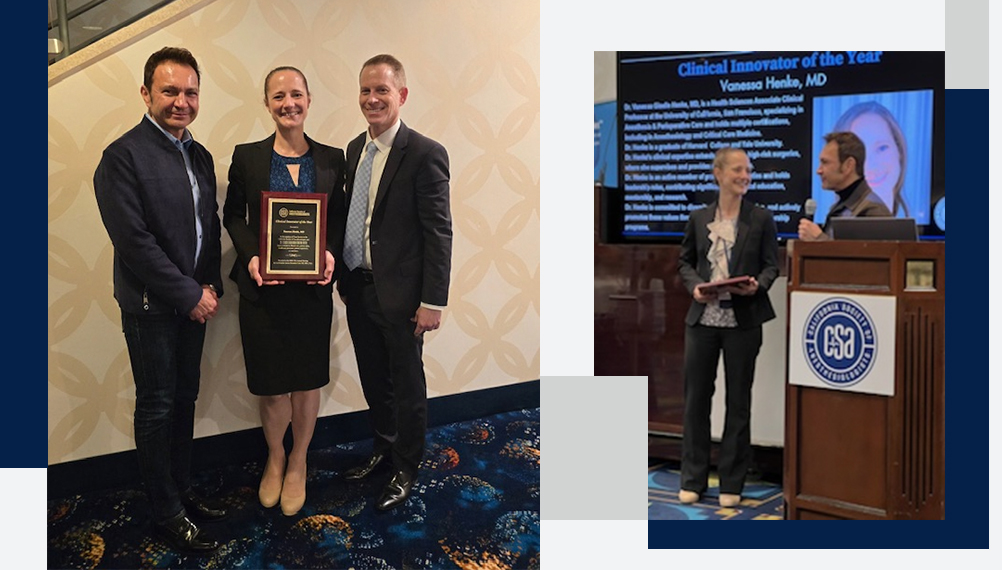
(293, 236)
(714, 286)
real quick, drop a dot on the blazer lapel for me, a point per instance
(320, 166)
(352, 157)
(701, 218)
(744, 222)
(260, 170)
(393, 161)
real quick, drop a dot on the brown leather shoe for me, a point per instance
(362, 471)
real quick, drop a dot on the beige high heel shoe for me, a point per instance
(271, 488)
(687, 497)
(269, 491)
(729, 500)
(292, 500)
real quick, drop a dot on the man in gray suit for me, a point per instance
(840, 167)
(393, 264)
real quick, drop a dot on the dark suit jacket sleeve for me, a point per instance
(432, 193)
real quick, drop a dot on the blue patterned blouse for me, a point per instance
(281, 180)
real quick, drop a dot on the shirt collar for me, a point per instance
(384, 141)
(185, 141)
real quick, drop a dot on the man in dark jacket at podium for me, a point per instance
(841, 170)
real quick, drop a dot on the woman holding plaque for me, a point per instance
(728, 239)
(285, 325)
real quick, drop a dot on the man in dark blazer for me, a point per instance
(393, 264)
(156, 190)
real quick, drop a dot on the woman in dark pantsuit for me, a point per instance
(729, 238)
(285, 327)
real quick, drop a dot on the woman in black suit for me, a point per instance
(729, 238)
(285, 327)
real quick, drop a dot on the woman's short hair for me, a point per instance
(720, 158)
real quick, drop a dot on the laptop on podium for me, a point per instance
(874, 229)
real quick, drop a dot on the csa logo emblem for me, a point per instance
(840, 342)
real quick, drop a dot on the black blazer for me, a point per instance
(250, 172)
(410, 236)
(755, 253)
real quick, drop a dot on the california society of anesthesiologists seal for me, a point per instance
(840, 342)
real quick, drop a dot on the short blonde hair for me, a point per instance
(720, 159)
(384, 58)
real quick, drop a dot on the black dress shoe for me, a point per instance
(181, 534)
(396, 491)
(363, 471)
(202, 509)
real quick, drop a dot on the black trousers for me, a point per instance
(391, 371)
(703, 346)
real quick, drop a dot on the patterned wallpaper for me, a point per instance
(473, 74)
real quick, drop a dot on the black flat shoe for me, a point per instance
(396, 491)
(182, 535)
(202, 509)
(362, 471)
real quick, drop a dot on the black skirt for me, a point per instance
(286, 337)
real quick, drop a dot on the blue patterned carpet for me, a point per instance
(475, 505)
(760, 501)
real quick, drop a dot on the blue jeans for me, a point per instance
(165, 352)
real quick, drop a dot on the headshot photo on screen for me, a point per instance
(896, 129)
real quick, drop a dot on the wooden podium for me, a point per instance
(852, 455)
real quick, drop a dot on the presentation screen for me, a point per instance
(676, 109)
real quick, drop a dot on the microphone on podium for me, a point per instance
(810, 206)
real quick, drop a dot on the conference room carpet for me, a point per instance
(475, 505)
(760, 501)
